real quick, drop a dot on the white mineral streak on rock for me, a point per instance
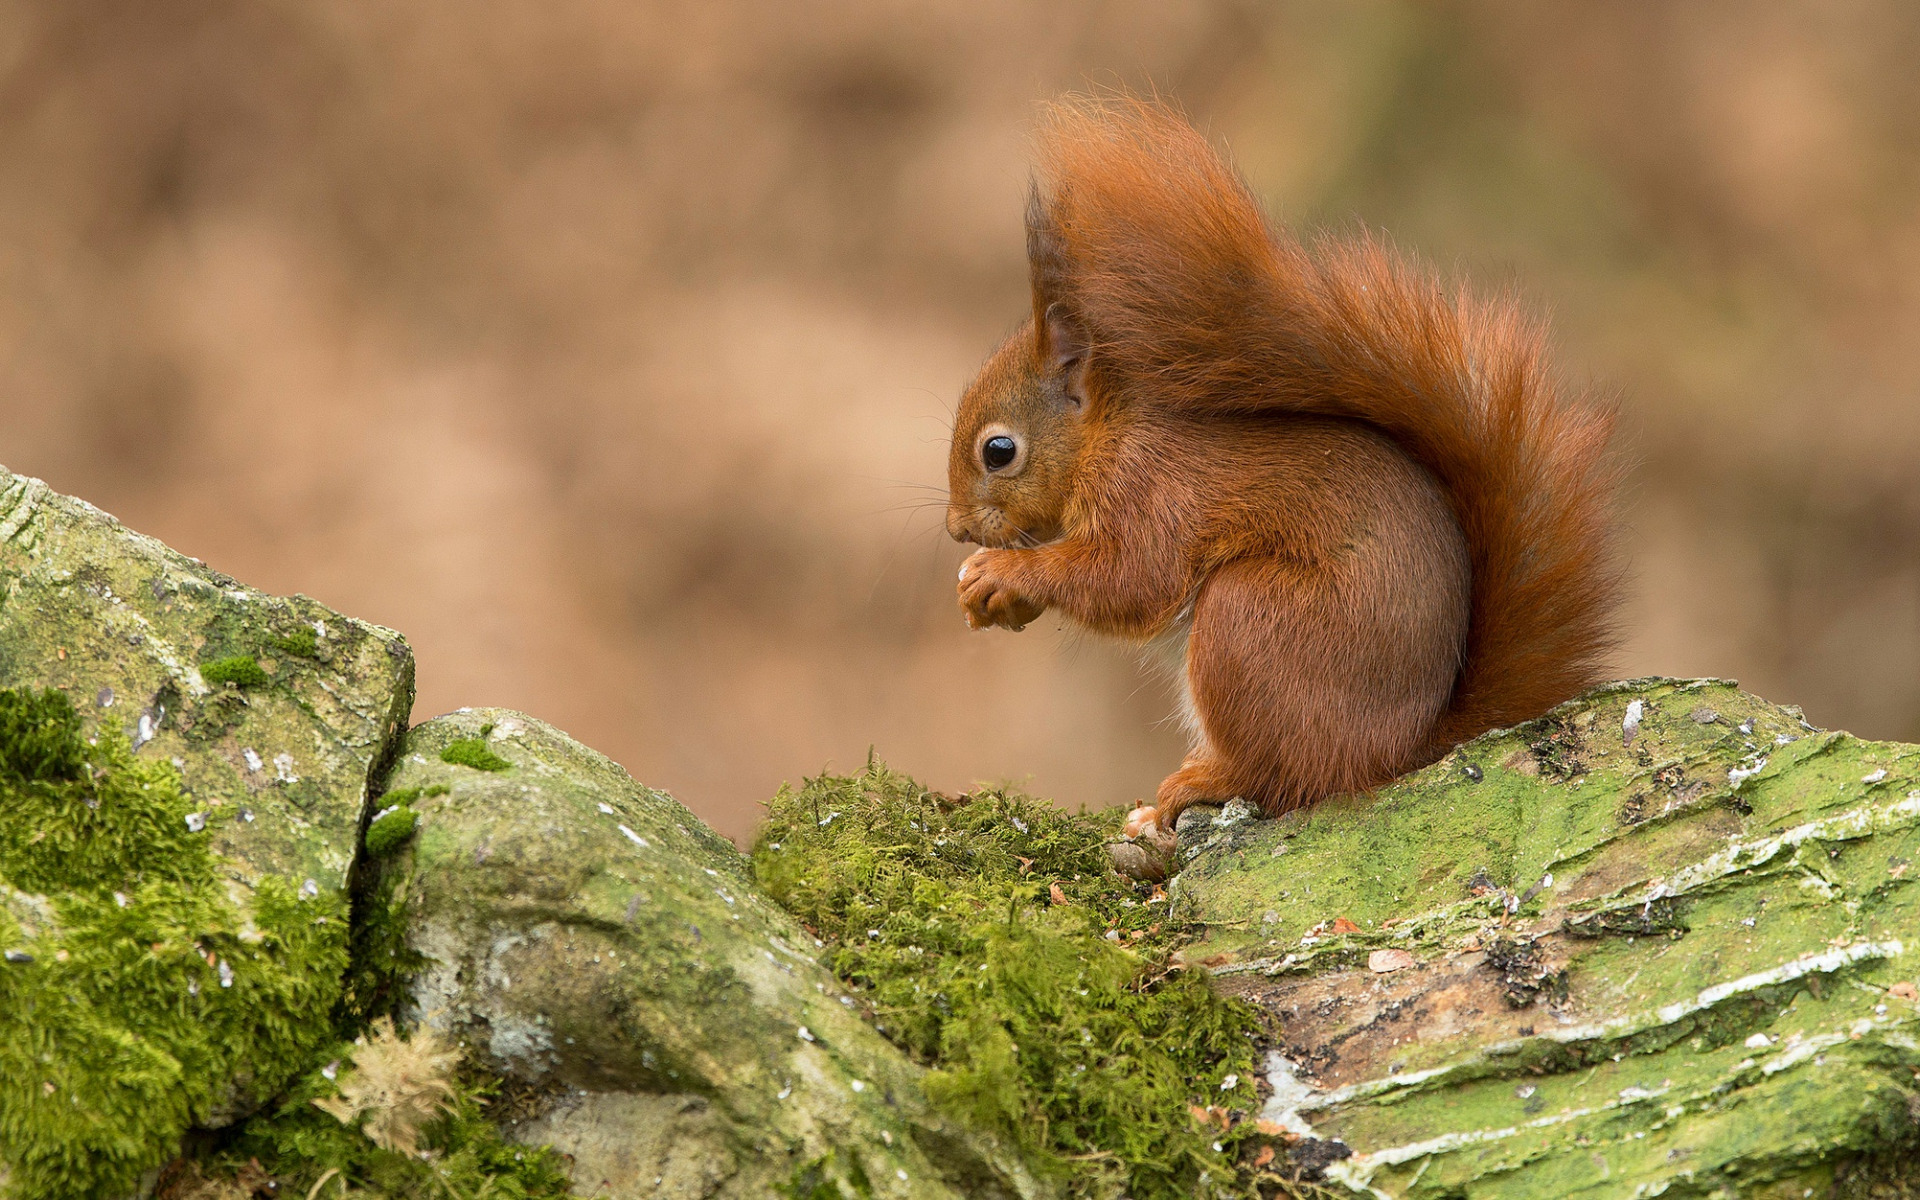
(1739, 775)
(517, 1040)
(1741, 856)
(1622, 1026)
(1290, 1095)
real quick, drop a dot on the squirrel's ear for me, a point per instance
(1064, 349)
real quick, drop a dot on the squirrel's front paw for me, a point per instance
(989, 598)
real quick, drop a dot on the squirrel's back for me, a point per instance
(1192, 303)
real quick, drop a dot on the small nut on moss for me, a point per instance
(1148, 858)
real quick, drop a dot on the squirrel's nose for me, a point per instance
(957, 526)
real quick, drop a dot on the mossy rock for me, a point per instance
(610, 957)
(280, 754)
(1661, 941)
(174, 854)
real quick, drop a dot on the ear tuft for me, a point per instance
(1046, 253)
(1064, 343)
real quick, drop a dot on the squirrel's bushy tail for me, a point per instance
(1194, 304)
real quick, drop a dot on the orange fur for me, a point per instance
(1384, 522)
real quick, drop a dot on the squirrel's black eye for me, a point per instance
(998, 452)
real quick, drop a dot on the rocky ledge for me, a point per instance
(263, 939)
(1662, 940)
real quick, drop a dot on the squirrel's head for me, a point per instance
(1017, 436)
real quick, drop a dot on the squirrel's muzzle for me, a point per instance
(958, 527)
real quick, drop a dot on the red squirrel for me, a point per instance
(1378, 521)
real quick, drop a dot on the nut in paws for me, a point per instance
(987, 594)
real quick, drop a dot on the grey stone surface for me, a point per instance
(593, 942)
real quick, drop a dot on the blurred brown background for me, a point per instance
(606, 348)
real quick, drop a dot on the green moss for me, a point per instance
(397, 820)
(473, 752)
(63, 829)
(301, 643)
(407, 795)
(1057, 1020)
(463, 1154)
(829, 1177)
(388, 832)
(241, 670)
(149, 998)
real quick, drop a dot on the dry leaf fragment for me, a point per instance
(1342, 925)
(1382, 961)
(1211, 1115)
(1904, 990)
(1269, 1128)
(1059, 897)
(1264, 1157)
(402, 1084)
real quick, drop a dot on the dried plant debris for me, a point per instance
(395, 1087)
(187, 1180)
(1525, 974)
(1558, 750)
(386, 1117)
